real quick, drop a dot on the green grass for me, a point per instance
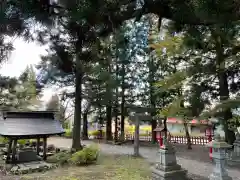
(107, 168)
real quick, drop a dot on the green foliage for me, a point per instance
(96, 133)
(172, 44)
(87, 155)
(173, 81)
(234, 123)
(66, 124)
(28, 97)
(22, 141)
(60, 158)
(3, 140)
(68, 133)
(223, 106)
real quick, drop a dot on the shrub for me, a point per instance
(68, 133)
(3, 140)
(87, 155)
(22, 141)
(60, 158)
(96, 133)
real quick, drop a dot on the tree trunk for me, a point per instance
(223, 88)
(109, 123)
(85, 126)
(154, 125)
(189, 144)
(109, 90)
(76, 141)
(116, 102)
(116, 128)
(122, 118)
(151, 80)
(165, 126)
(136, 137)
(123, 73)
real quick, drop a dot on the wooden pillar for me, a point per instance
(44, 148)
(38, 146)
(14, 150)
(9, 150)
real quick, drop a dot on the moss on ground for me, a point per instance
(112, 167)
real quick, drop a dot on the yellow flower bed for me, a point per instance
(131, 129)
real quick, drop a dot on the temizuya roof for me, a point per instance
(34, 123)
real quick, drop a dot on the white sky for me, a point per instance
(24, 54)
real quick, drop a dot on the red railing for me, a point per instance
(201, 140)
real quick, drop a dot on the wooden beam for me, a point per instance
(9, 150)
(38, 146)
(14, 150)
(44, 148)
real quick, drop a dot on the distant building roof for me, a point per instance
(194, 121)
(34, 123)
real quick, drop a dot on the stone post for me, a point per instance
(167, 167)
(236, 145)
(219, 157)
(234, 157)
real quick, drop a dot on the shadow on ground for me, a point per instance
(196, 177)
(198, 152)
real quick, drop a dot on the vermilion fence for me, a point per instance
(194, 140)
(201, 140)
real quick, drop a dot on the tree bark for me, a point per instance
(136, 137)
(189, 143)
(85, 126)
(223, 87)
(122, 109)
(116, 128)
(109, 108)
(151, 80)
(76, 141)
(109, 123)
(165, 126)
(153, 105)
(116, 99)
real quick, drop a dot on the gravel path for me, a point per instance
(197, 169)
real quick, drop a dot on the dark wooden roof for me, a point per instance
(35, 123)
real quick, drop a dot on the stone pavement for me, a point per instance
(196, 168)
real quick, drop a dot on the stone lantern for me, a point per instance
(159, 135)
(219, 147)
(167, 167)
(236, 145)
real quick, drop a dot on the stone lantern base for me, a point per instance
(167, 168)
(171, 173)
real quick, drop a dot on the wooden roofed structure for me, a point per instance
(28, 125)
